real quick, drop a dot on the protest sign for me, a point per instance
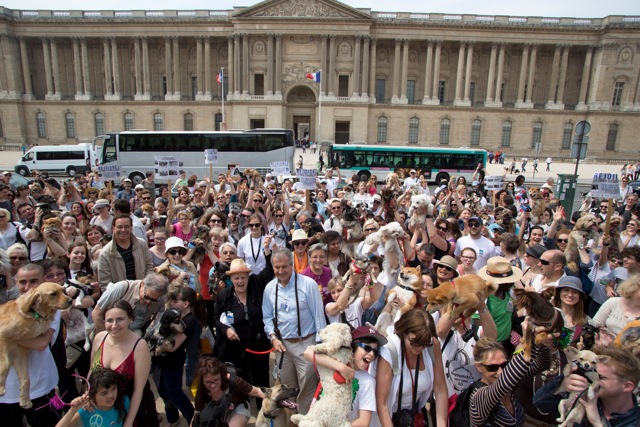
(307, 178)
(493, 183)
(168, 166)
(280, 168)
(211, 156)
(605, 186)
(109, 172)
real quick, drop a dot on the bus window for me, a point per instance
(195, 144)
(109, 150)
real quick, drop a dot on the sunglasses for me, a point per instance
(228, 253)
(24, 258)
(370, 230)
(416, 345)
(368, 349)
(545, 262)
(146, 198)
(255, 225)
(376, 202)
(215, 221)
(562, 240)
(245, 216)
(257, 200)
(300, 243)
(474, 225)
(445, 267)
(445, 229)
(148, 298)
(177, 251)
(279, 215)
(494, 368)
(336, 207)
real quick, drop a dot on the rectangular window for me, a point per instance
(256, 124)
(188, 121)
(42, 125)
(617, 94)
(506, 134)
(414, 126)
(476, 127)
(612, 136)
(71, 125)
(502, 92)
(158, 122)
(472, 92)
(445, 127)
(536, 137)
(342, 132)
(411, 91)
(382, 129)
(441, 87)
(128, 121)
(194, 87)
(224, 87)
(525, 92)
(164, 85)
(380, 86)
(258, 84)
(343, 86)
(218, 121)
(99, 119)
(566, 136)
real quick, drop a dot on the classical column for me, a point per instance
(498, 101)
(231, 66)
(427, 73)
(168, 64)
(108, 76)
(405, 72)
(199, 61)
(270, 65)
(46, 52)
(396, 71)
(207, 69)
(553, 81)
(467, 75)
(636, 98)
(26, 70)
(138, 68)
(116, 69)
(279, 65)
(532, 72)
(356, 66)
(372, 69)
(332, 66)
(86, 76)
(177, 96)
(364, 93)
(236, 64)
(435, 100)
(146, 78)
(523, 75)
(245, 64)
(563, 77)
(55, 69)
(584, 82)
(459, 74)
(492, 72)
(77, 68)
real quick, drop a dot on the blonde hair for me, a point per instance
(371, 222)
(484, 348)
(333, 283)
(630, 286)
(219, 232)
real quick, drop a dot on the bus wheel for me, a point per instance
(364, 175)
(441, 176)
(136, 178)
(23, 171)
(71, 171)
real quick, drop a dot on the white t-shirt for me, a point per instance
(332, 183)
(281, 234)
(353, 314)
(250, 250)
(483, 247)
(537, 283)
(365, 397)
(459, 368)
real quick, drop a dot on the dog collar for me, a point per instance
(36, 315)
(356, 269)
(406, 288)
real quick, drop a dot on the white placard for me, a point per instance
(168, 167)
(280, 168)
(605, 186)
(211, 156)
(493, 183)
(367, 198)
(307, 178)
(109, 172)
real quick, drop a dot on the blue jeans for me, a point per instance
(170, 390)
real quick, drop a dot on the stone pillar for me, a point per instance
(584, 82)
(245, 64)
(236, 65)
(553, 81)
(459, 74)
(77, 68)
(523, 75)
(467, 75)
(427, 73)
(435, 100)
(86, 76)
(270, 65)
(138, 68)
(46, 52)
(55, 69)
(108, 75)
(279, 66)
(9, 67)
(497, 102)
(146, 69)
(26, 70)
(636, 98)
(372, 69)
(168, 64)
(116, 70)
(231, 66)
(563, 77)
(356, 66)
(332, 66)
(199, 63)
(405, 72)
(177, 81)
(364, 93)
(207, 69)
(597, 70)
(492, 72)
(396, 72)
(530, 80)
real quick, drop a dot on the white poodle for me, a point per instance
(421, 206)
(334, 406)
(388, 237)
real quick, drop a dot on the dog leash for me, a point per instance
(248, 350)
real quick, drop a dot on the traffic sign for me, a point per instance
(583, 127)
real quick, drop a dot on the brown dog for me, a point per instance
(27, 317)
(460, 295)
(539, 312)
(276, 406)
(409, 284)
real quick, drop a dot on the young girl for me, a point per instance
(106, 398)
(78, 259)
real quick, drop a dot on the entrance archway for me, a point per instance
(301, 111)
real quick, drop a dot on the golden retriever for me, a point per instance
(27, 317)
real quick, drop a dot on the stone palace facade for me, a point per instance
(495, 82)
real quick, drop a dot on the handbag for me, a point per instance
(73, 354)
(207, 341)
(408, 417)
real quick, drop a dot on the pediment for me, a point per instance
(302, 9)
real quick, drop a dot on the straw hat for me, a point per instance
(238, 266)
(499, 270)
(448, 261)
(299, 234)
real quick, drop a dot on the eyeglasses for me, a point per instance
(177, 251)
(215, 221)
(562, 240)
(300, 243)
(544, 262)
(474, 224)
(160, 239)
(279, 215)
(210, 383)
(469, 258)
(146, 297)
(444, 229)
(228, 253)
(370, 230)
(117, 320)
(446, 267)
(255, 225)
(257, 201)
(368, 349)
(57, 275)
(494, 368)
(333, 208)
(18, 258)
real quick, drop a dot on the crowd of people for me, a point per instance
(254, 264)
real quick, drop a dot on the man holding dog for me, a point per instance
(293, 315)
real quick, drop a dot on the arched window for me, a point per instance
(506, 133)
(41, 121)
(414, 126)
(612, 136)
(536, 138)
(70, 123)
(158, 122)
(128, 121)
(218, 121)
(476, 127)
(445, 128)
(382, 129)
(566, 136)
(188, 121)
(98, 120)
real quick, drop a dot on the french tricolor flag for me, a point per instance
(219, 78)
(314, 76)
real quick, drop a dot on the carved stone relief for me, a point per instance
(296, 73)
(304, 8)
(414, 56)
(223, 53)
(344, 49)
(259, 48)
(193, 53)
(383, 55)
(625, 55)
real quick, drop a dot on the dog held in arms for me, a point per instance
(161, 334)
(539, 312)
(460, 295)
(420, 208)
(388, 236)
(407, 288)
(352, 229)
(333, 409)
(360, 270)
(78, 326)
(27, 317)
(277, 406)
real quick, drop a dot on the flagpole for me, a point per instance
(319, 109)
(222, 86)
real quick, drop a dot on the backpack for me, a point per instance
(459, 415)
(216, 412)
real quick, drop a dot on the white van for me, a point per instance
(68, 159)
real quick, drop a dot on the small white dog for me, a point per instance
(388, 237)
(587, 362)
(421, 206)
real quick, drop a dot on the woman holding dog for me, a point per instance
(175, 251)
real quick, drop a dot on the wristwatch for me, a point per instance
(272, 337)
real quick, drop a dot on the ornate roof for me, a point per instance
(302, 9)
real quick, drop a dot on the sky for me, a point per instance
(551, 8)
